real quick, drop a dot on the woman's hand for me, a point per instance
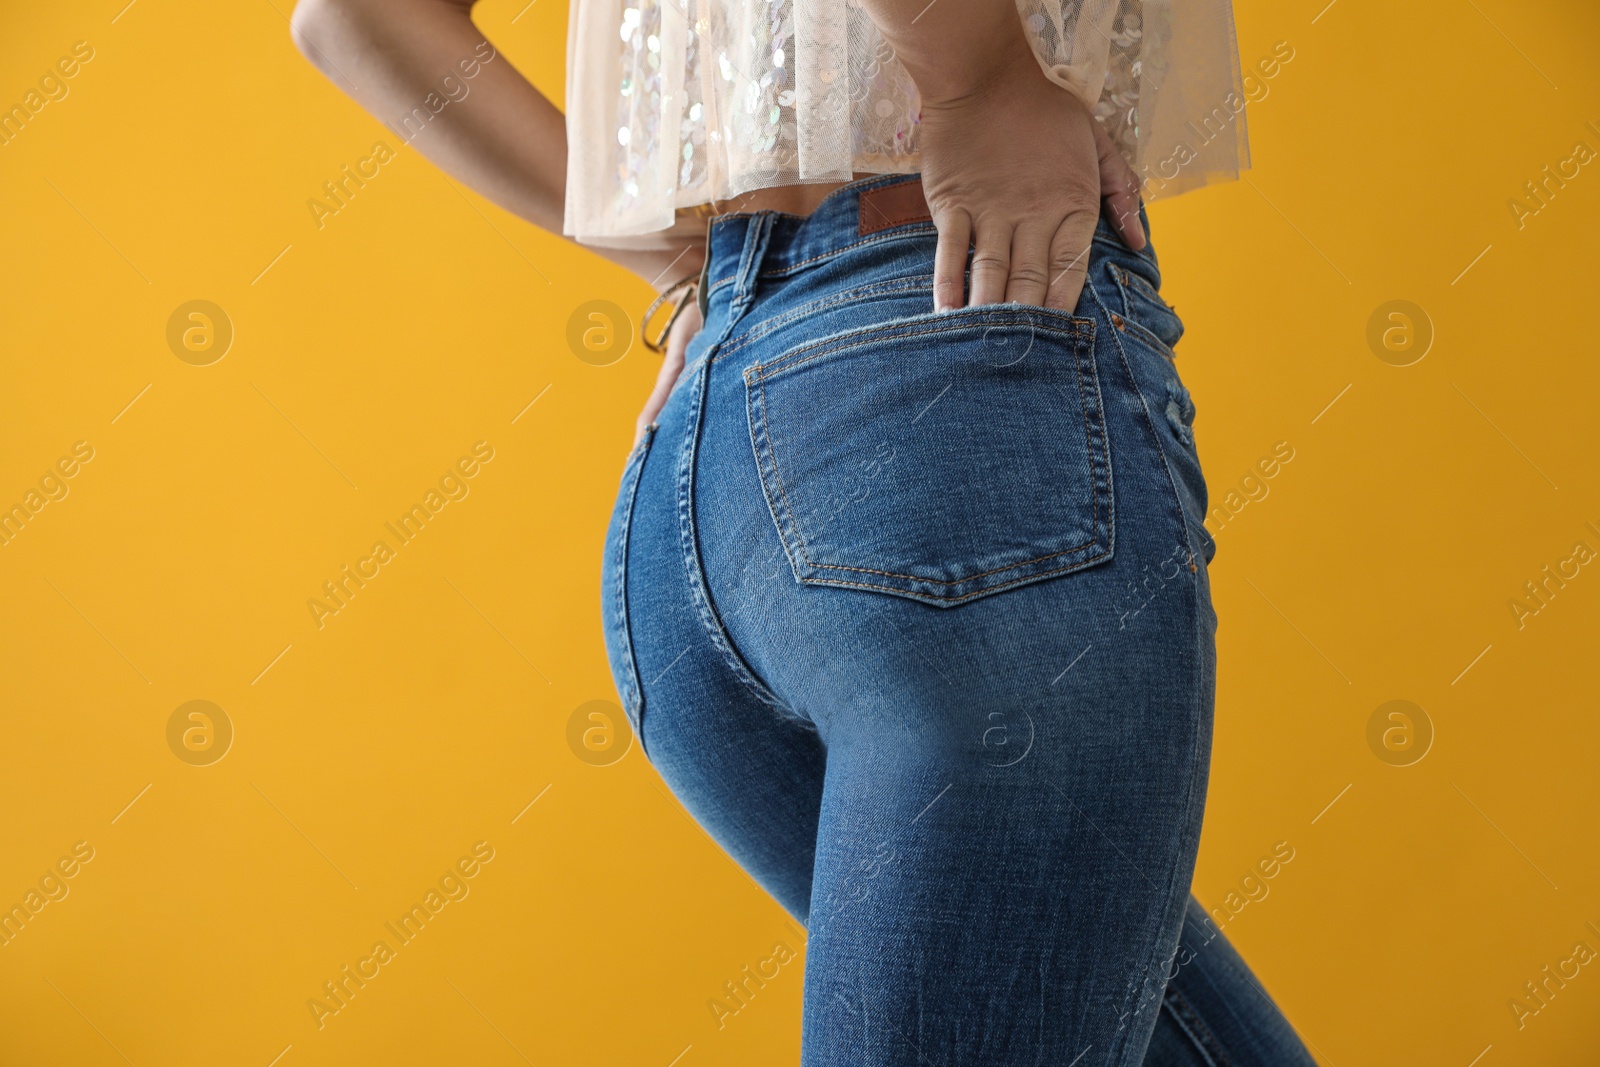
(683, 331)
(1012, 163)
(1018, 168)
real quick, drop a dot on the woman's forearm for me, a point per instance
(423, 69)
(953, 50)
(495, 132)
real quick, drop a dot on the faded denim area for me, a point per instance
(911, 611)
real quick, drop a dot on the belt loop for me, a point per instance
(755, 250)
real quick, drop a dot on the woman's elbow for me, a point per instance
(320, 28)
(309, 28)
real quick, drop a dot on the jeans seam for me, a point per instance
(910, 283)
(1195, 1029)
(866, 335)
(1149, 337)
(875, 239)
(1120, 1043)
(1127, 277)
(632, 475)
(858, 186)
(1127, 280)
(1193, 539)
(1074, 566)
(693, 566)
(1144, 409)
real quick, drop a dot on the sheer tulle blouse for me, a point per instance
(672, 104)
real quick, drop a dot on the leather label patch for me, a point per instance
(892, 205)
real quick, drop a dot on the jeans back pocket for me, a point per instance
(942, 457)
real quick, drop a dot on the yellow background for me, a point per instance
(426, 716)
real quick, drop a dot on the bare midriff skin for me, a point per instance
(1024, 205)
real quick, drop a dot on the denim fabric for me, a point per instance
(910, 610)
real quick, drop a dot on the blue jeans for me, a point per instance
(910, 610)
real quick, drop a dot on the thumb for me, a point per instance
(1119, 187)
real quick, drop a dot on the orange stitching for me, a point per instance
(1162, 348)
(1126, 278)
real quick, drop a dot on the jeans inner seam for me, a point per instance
(1195, 1029)
(689, 541)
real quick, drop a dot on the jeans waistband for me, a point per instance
(770, 244)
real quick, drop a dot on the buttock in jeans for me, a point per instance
(911, 611)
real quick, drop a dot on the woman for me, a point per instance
(905, 590)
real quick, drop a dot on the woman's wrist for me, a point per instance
(993, 46)
(669, 271)
(981, 82)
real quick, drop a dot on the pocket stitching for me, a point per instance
(895, 287)
(869, 334)
(788, 523)
(1149, 337)
(1021, 579)
(800, 541)
(1126, 279)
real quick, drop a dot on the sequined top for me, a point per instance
(673, 104)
